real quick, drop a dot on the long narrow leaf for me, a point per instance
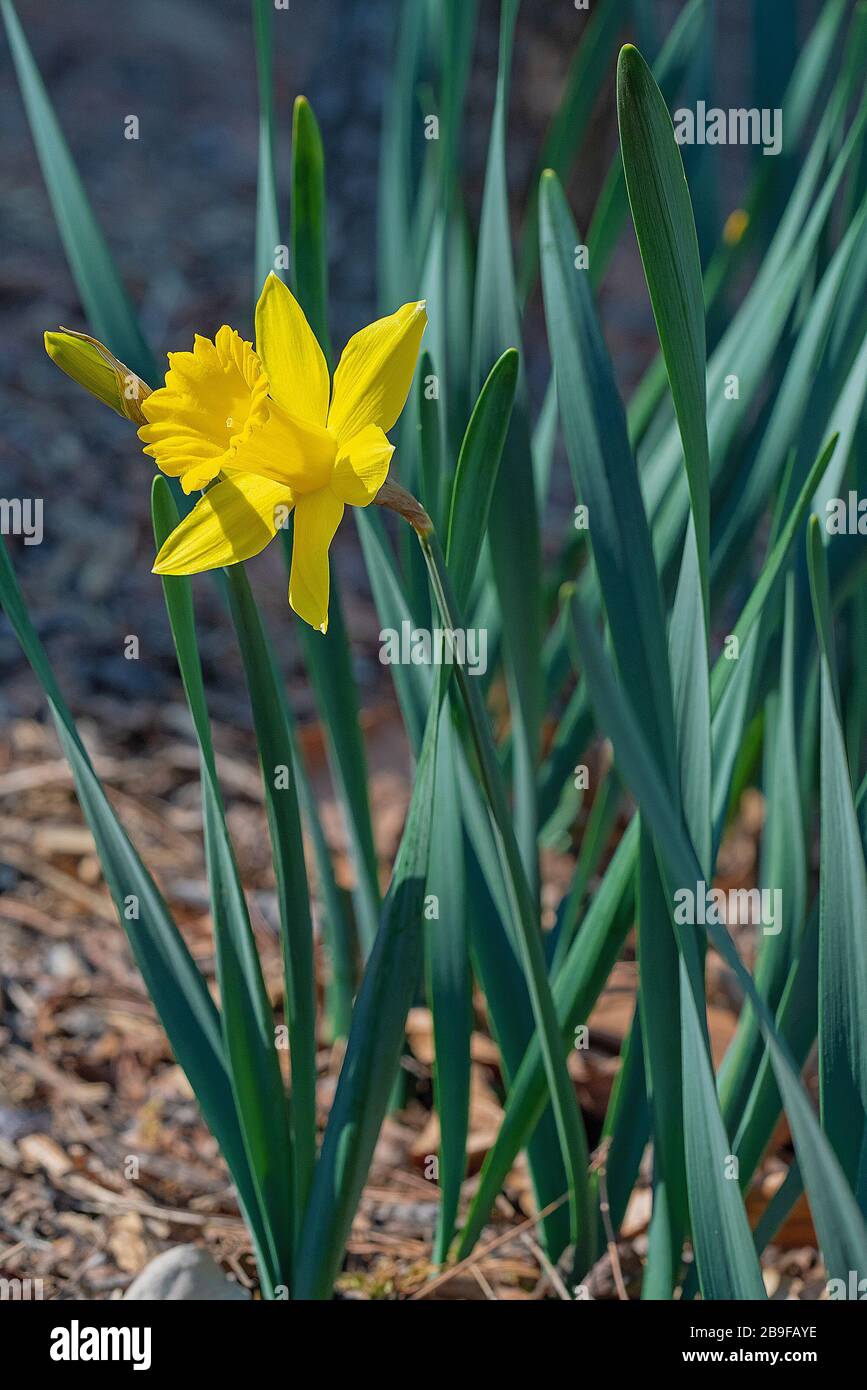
(248, 1023)
(278, 759)
(309, 257)
(174, 982)
(106, 303)
(573, 1141)
(838, 1220)
(665, 227)
(267, 257)
(842, 907)
(374, 1046)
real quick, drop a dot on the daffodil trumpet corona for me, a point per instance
(265, 433)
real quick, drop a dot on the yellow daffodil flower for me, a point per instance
(269, 427)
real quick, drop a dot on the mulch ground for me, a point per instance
(104, 1160)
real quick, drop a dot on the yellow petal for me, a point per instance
(291, 451)
(233, 521)
(317, 517)
(374, 374)
(293, 358)
(362, 466)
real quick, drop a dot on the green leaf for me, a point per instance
(309, 255)
(775, 45)
(752, 337)
(797, 1019)
(570, 1128)
(374, 1047)
(447, 969)
(724, 670)
(267, 214)
(688, 645)
(587, 74)
(727, 1263)
(495, 960)
(434, 479)
(597, 944)
(665, 227)
(173, 981)
(784, 867)
(842, 905)
(845, 417)
(497, 966)
(669, 70)
(557, 794)
(397, 273)
(604, 472)
(449, 986)
(514, 531)
(796, 399)
(477, 471)
(687, 650)
(413, 684)
(664, 224)
(627, 1124)
(580, 980)
(337, 936)
(543, 444)
(278, 759)
(248, 1023)
(778, 1208)
(595, 839)
(661, 1022)
(666, 979)
(329, 666)
(835, 1212)
(106, 303)
(459, 24)
(808, 84)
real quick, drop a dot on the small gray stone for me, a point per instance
(186, 1272)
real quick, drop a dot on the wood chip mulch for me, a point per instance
(104, 1160)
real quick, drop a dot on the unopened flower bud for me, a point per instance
(91, 364)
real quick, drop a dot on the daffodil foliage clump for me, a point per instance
(697, 628)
